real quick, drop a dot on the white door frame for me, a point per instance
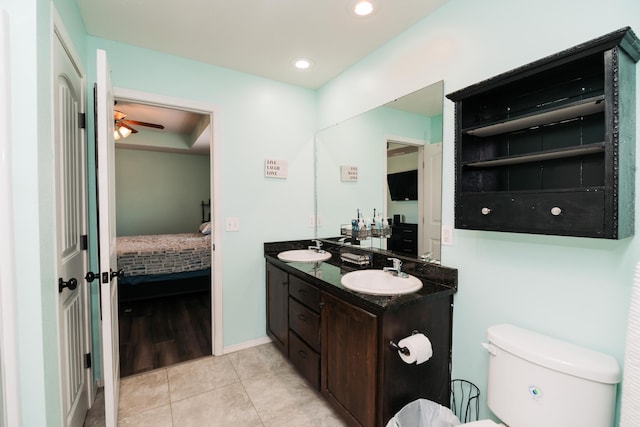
(9, 385)
(215, 185)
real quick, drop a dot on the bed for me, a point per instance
(164, 264)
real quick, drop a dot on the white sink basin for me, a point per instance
(379, 282)
(303, 255)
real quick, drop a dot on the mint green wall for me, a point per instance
(160, 193)
(575, 289)
(436, 129)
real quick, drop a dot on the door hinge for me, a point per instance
(87, 360)
(213, 246)
(82, 120)
(84, 242)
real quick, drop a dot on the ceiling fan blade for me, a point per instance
(151, 125)
(118, 115)
(124, 125)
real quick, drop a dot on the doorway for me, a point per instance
(417, 216)
(183, 211)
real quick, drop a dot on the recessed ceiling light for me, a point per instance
(363, 8)
(302, 63)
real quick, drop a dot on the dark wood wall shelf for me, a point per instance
(549, 148)
(540, 155)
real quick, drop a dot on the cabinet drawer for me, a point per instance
(305, 359)
(404, 239)
(577, 213)
(305, 323)
(307, 294)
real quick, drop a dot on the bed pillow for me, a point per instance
(205, 228)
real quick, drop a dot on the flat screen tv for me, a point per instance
(403, 185)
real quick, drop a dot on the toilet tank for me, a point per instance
(535, 381)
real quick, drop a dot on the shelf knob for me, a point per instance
(485, 211)
(555, 211)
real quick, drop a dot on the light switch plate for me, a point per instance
(446, 237)
(232, 224)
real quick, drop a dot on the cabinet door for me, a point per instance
(349, 359)
(278, 307)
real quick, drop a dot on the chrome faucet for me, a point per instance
(317, 247)
(395, 270)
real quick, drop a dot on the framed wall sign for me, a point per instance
(349, 173)
(276, 169)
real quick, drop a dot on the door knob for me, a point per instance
(119, 274)
(91, 276)
(71, 284)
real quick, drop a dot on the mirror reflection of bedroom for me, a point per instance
(163, 226)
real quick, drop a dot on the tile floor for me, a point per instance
(252, 387)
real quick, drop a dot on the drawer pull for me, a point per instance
(302, 317)
(485, 211)
(302, 291)
(555, 211)
(302, 354)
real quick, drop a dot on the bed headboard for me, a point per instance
(206, 210)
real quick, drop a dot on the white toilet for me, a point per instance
(537, 381)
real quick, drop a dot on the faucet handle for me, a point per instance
(396, 263)
(317, 247)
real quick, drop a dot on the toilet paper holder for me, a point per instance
(404, 350)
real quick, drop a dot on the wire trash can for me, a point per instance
(465, 400)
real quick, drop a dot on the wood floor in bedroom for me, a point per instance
(160, 332)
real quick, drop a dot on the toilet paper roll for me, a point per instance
(419, 347)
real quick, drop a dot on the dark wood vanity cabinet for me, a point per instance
(342, 346)
(278, 307)
(349, 360)
(549, 148)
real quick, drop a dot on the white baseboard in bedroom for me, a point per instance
(246, 344)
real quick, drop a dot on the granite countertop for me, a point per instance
(437, 281)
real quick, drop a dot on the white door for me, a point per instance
(73, 302)
(107, 237)
(432, 198)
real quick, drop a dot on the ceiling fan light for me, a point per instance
(121, 132)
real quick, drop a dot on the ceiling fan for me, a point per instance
(123, 125)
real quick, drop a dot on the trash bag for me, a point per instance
(424, 413)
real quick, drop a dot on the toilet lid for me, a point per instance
(482, 423)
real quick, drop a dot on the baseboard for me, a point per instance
(245, 345)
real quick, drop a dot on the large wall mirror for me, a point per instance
(360, 160)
